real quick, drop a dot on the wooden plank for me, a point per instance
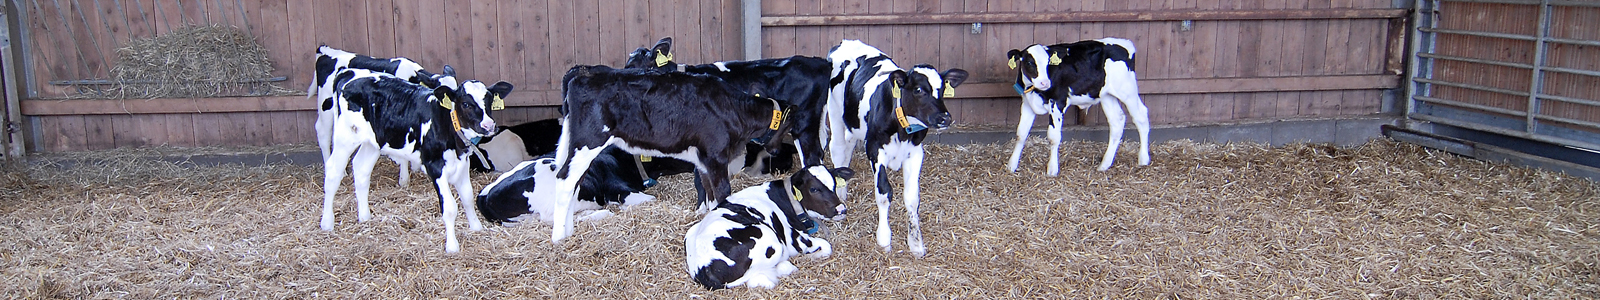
(115, 23)
(512, 45)
(285, 127)
(586, 32)
(808, 39)
(485, 42)
(216, 129)
(97, 133)
(1117, 14)
(408, 38)
(536, 52)
(69, 134)
(688, 42)
(433, 36)
(271, 28)
(126, 133)
(302, 41)
(169, 15)
(193, 12)
(711, 35)
(43, 43)
(459, 24)
(381, 28)
(179, 129)
(636, 27)
(89, 32)
(139, 22)
(35, 107)
(562, 54)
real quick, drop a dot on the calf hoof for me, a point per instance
(327, 225)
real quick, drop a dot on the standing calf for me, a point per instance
(379, 114)
(694, 118)
(1085, 73)
(748, 239)
(874, 100)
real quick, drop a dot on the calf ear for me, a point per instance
(448, 71)
(662, 49)
(1012, 57)
(898, 77)
(445, 95)
(843, 172)
(954, 77)
(501, 89)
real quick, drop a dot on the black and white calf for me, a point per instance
(800, 81)
(515, 144)
(531, 189)
(330, 60)
(748, 239)
(1085, 73)
(874, 100)
(379, 114)
(694, 118)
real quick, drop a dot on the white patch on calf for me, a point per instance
(721, 66)
(769, 256)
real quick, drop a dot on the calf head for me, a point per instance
(655, 57)
(919, 96)
(1031, 64)
(473, 103)
(813, 188)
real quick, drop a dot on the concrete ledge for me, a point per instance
(1343, 132)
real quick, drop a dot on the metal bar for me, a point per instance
(1482, 34)
(1473, 87)
(93, 39)
(1569, 121)
(1577, 3)
(1473, 106)
(1570, 100)
(1419, 7)
(103, 81)
(1476, 60)
(1082, 16)
(1575, 42)
(15, 143)
(1515, 133)
(1522, 2)
(1537, 85)
(1573, 71)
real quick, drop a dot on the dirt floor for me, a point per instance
(1210, 221)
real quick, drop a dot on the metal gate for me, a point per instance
(1527, 69)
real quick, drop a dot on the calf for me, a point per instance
(516, 144)
(748, 239)
(1085, 73)
(378, 114)
(695, 118)
(800, 81)
(530, 188)
(330, 60)
(874, 100)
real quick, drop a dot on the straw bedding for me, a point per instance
(190, 62)
(1384, 220)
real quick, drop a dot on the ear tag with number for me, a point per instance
(949, 91)
(1054, 59)
(663, 59)
(797, 195)
(777, 118)
(497, 104)
(446, 103)
(1012, 63)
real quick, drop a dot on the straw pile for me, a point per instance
(1381, 221)
(195, 61)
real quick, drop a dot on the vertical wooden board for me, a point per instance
(732, 32)
(562, 52)
(485, 46)
(138, 19)
(302, 39)
(168, 14)
(588, 33)
(511, 47)
(433, 36)
(99, 40)
(123, 131)
(1361, 102)
(325, 19)
(636, 26)
(282, 127)
(713, 40)
(75, 55)
(1218, 106)
(115, 24)
(43, 42)
(209, 129)
(380, 28)
(98, 133)
(64, 133)
(459, 39)
(536, 48)
(179, 128)
(611, 41)
(270, 25)
(687, 45)
(259, 128)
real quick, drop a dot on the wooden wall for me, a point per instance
(1239, 60)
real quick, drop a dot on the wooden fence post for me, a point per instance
(752, 28)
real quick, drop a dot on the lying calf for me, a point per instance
(531, 189)
(748, 239)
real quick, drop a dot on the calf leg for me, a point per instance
(912, 170)
(1141, 120)
(840, 148)
(1055, 141)
(568, 194)
(883, 194)
(333, 174)
(405, 172)
(361, 176)
(463, 183)
(1114, 118)
(1024, 123)
(325, 130)
(448, 210)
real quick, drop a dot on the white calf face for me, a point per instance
(1035, 61)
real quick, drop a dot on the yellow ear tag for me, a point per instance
(646, 158)
(455, 122)
(1054, 60)
(446, 103)
(1012, 63)
(895, 92)
(949, 91)
(797, 195)
(663, 59)
(497, 103)
(777, 118)
(838, 182)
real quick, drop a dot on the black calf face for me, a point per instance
(922, 93)
(656, 57)
(816, 185)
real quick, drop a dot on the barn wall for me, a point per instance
(1262, 60)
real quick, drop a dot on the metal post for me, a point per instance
(12, 125)
(1537, 85)
(1421, 16)
(752, 29)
